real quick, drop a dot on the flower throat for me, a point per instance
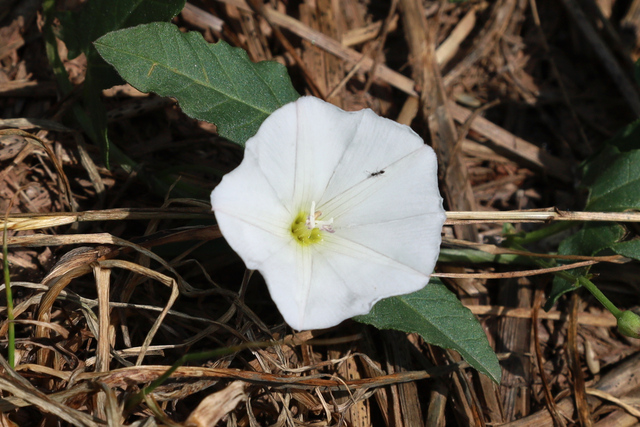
(307, 228)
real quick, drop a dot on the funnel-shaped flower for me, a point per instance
(336, 209)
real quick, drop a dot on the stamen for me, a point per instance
(313, 221)
(328, 227)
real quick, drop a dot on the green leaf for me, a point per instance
(613, 178)
(212, 82)
(439, 317)
(627, 139)
(591, 239)
(630, 249)
(618, 185)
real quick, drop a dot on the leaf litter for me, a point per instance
(106, 303)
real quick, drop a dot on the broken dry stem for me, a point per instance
(547, 215)
(40, 221)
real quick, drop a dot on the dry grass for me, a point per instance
(116, 275)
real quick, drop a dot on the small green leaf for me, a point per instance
(613, 179)
(625, 140)
(630, 249)
(591, 239)
(618, 185)
(439, 317)
(212, 82)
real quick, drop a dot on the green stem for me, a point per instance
(542, 233)
(586, 283)
(600, 296)
(11, 349)
(478, 257)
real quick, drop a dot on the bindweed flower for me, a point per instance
(336, 209)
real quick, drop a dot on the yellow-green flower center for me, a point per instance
(302, 233)
(307, 227)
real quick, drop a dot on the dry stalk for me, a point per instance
(40, 221)
(545, 215)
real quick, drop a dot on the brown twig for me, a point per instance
(509, 274)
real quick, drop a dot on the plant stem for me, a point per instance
(600, 296)
(550, 214)
(542, 233)
(582, 280)
(7, 288)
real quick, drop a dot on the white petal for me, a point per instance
(334, 282)
(274, 148)
(413, 242)
(324, 131)
(288, 274)
(249, 213)
(299, 146)
(377, 144)
(409, 187)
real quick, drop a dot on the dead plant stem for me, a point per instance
(546, 215)
(40, 220)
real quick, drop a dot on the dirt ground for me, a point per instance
(512, 94)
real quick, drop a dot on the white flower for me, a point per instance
(336, 209)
